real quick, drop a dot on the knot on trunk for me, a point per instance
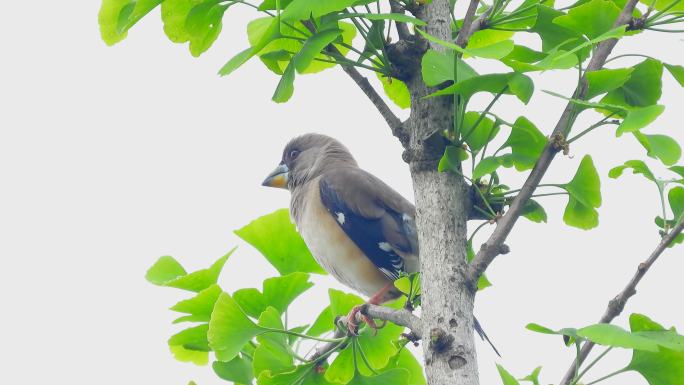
(405, 57)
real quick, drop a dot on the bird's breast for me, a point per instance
(333, 249)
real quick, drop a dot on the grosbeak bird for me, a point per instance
(358, 228)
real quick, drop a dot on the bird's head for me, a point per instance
(307, 157)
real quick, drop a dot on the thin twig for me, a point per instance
(490, 249)
(392, 120)
(617, 304)
(471, 24)
(401, 317)
(402, 28)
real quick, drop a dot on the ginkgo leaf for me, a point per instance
(229, 328)
(591, 18)
(276, 238)
(637, 167)
(662, 147)
(526, 143)
(585, 196)
(638, 118)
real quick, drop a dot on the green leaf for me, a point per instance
(303, 9)
(196, 357)
(578, 215)
(677, 71)
(162, 271)
(591, 19)
(301, 375)
(251, 300)
(605, 80)
(397, 376)
(488, 37)
(612, 335)
(539, 329)
(452, 158)
(534, 211)
(662, 4)
(273, 352)
(438, 67)
(323, 323)
(238, 370)
(554, 36)
(614, 33)
(637, 167)
(229, 328)
(644, 86)
(490, 164)
(260, 32)
(497, 50)
(341, 303)
(510, 83)
(313, 47)
(664, 367)
(200, 306)
(396, 90)
(195, 21)
(402, 18)
(237, 61)
(285, 88)
(506, 377)
(278, 241)
(526, 143)
(280, 292)
(483, 133)
(381, 347)
(585, 186)
(194, 338)
(639, 118)
(676, 198)
(585, 196)
(404, 359)
(662, 147)
(116, 17)
(341, 370)
(533, 377)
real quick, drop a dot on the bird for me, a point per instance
(358, 228)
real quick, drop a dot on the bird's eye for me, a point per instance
(294, 154)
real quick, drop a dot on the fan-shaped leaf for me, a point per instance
(229, 328)
(277, 240)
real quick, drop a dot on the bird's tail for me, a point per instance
(483, 335)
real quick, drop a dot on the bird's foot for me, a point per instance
(360, 312)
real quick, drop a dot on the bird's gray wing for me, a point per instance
(374, 216)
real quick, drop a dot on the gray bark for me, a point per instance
(441, 213)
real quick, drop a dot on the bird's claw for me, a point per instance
(352, 326)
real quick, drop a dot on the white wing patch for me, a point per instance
(384, 246)
(340, 218)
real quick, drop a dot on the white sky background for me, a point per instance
(112, 157)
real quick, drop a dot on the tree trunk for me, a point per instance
(441, 213)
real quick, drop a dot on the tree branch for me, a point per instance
(470, 23)
(617, 304)
(491, 248)
(401, 317)
(392, 120)
(402, 28)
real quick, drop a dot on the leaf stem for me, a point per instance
(600, 123)
(615, 373)
(364, 358)
(591, 364)
(291, 333)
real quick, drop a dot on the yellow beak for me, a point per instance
(278, 178)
